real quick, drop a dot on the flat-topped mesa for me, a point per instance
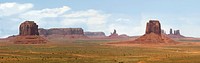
(102, 34)
(61, 31)
(153, 26)
(28, 28)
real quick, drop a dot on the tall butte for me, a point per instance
(153, 35)
(28, 28)
(28, 34)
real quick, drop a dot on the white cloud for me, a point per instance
(90, 20)
(126, 25)
(89, 16)
(93, 19)
(7, 9)
(39, 14)
(12, 14)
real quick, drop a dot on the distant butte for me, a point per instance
(28, 28)
(153, 35)
(114, 34)
(176, 34)
(28, 34)
(62, 33)
(153, 26)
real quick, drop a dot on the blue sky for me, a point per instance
(126, 16)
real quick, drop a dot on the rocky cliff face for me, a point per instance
(153, 26)
(28, 28)
(61, 31)
(94, 34)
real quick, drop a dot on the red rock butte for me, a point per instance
(28, 34)
(152, 36)
(153, 26)
(28, 28)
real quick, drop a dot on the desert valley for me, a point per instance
(99, 31)
(73, 45)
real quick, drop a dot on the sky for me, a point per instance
(126, 16)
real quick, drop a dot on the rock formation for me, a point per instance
(28, 28)
(176, 34)
(28, 34)
(171, 31)
(114, 34)
(62, 32)
(101, 34)
(153, 27)
(153, 35)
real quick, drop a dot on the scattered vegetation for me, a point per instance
(91, 51)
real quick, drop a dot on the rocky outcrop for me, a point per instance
(176, 34)
(28, 34)
(153, 26)
(153, 35)
(170, 32)
(28, 28)
(62, 33)
(100, 34)
(114, 34)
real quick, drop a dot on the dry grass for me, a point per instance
(95, 51)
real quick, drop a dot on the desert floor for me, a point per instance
(95, 51)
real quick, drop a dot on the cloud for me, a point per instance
(7, 9)
(126, 25)
(12, 14)
(9, 19)
(39, 14)
(62, 17)
(93, 19)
